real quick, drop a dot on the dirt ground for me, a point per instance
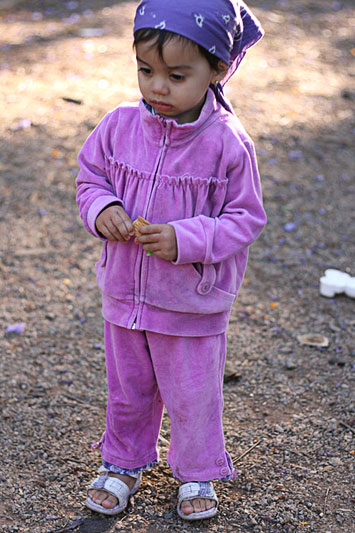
(62, 66)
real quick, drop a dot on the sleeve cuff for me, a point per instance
(191, 241)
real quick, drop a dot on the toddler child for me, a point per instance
(181, 159)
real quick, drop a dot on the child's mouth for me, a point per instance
(161, 106)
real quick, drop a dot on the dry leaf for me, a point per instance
(313, 339)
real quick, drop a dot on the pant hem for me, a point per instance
(227, 478)
(233, 474)
(127, 471)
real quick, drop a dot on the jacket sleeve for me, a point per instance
(204, 239)
(94, 189)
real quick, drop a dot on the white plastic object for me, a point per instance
(350, 288)
(336, 282)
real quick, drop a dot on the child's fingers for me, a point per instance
(110, 231)
(153, 248)
(148, 239)
(115, 233)
(151, 229)
(104, 227)
(159, 239)
(114, 223)
(122, 224)
(150, 243)
(150, 234)
(108, 234)
(116, 230)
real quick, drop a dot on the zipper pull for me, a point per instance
(167, 126)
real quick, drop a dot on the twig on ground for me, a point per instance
(75, 399)
(347, 427)
(237, 459)
(72, 100)
(164, 441)
(325, 500)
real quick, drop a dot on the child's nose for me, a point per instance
(160, 86)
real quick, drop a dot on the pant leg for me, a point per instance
(189, 372)
(134, 404)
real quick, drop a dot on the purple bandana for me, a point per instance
(226, 28)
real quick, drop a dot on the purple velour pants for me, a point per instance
(146, 371)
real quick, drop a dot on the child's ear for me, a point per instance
(221, 72)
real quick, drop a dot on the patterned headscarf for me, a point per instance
(226, 28)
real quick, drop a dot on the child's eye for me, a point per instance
(145, 70)
(177, 77)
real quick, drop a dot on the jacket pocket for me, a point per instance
(115, 269)
(183, 289)
(100, 265)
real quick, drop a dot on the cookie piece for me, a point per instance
(138, 223)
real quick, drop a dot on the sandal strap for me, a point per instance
(192, 490)
(113, 486)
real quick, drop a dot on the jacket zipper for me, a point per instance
(163, 147)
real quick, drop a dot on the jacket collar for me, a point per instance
(155, 126)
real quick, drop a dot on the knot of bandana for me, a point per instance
(226, 28)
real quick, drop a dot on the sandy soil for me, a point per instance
(62, 66)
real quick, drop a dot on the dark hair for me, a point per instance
(163, 36)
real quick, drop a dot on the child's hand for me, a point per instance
(114, 224)
(160, 239)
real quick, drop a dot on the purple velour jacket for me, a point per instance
(201, 178)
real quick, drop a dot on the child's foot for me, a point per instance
(197, 501)
(108, 501)
(197, 505)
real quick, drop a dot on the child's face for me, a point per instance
(176, 84)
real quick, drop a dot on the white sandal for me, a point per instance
(193, 490)
(115, 487)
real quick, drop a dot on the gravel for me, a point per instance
(289, 417)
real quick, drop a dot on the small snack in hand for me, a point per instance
(138, 223)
